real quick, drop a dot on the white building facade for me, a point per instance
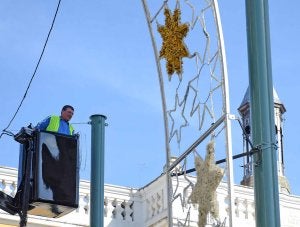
(148, 206)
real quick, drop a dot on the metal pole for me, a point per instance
(262, 114)
(97, 170)
(26, 187)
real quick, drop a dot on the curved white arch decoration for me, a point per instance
(195, 103)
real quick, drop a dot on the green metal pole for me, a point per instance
(97, 170)
(262, 114)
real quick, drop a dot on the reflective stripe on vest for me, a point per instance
(54, 125)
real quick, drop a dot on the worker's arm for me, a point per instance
(43, 124)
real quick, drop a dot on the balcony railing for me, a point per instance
(148, 206)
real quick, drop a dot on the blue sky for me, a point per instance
(100, 60)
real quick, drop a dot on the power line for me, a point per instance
(5, 131)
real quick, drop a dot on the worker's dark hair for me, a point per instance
(66, 107)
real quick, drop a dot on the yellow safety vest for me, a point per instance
(54, 125)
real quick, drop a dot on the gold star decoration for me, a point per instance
(209, 176)
(173, 48)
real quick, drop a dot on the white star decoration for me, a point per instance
(179, 110)
(209, 176)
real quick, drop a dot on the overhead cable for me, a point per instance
(5, 131)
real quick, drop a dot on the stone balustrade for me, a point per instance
(148, 206)
(8, 182)
(119, 205)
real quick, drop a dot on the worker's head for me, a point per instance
(67, 112)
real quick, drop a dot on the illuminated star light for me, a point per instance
(209, 176)
(173, 48)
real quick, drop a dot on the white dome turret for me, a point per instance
(279, 110)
